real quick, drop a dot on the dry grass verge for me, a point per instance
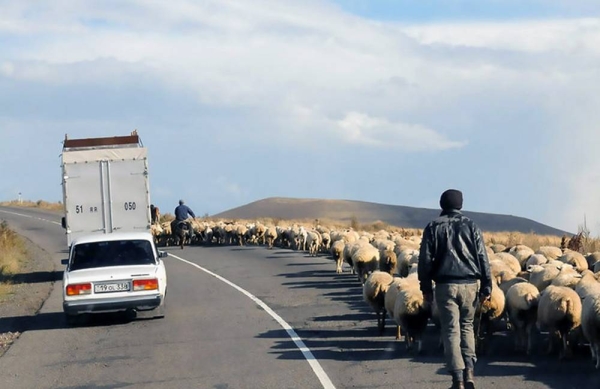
(42, 204)
(12, 255)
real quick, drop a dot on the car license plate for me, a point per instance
(111, 287)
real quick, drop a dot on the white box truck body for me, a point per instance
(105, 186)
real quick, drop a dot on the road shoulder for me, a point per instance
(31, 287)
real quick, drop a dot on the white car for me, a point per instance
(114, 272)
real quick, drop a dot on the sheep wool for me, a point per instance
(559, 311)
(412, 313)
(365, 260)
(374, 289)
(522, 302)
(590, 325)
(550, 252)
(510, 260)
(388, 262)
(337, 252)
(577, 260)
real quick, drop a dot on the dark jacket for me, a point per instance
(182, 211)
(453, 252)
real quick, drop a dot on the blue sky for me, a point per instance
(451, 10)
(390, 101)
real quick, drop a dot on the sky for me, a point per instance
(381, 101)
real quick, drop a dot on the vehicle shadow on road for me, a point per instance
(34, 277)
(57, 320)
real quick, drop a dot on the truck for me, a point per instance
(105, 186)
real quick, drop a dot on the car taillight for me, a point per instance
(147, 284)
(79, 289)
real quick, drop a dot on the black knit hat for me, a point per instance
(451, 199)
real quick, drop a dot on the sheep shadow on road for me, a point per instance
(352, 336)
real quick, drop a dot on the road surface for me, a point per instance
(245, 317)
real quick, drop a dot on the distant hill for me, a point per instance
(365, 212)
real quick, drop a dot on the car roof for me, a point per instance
(113, 236)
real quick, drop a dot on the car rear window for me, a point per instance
(112, 253)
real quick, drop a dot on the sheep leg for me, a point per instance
(419, 346)
(566, 348)
(529, 335)
(597, 352)
(408, 341)
(382, 324)
(550, 349)
(398, 332)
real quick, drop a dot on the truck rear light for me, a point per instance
(79, 289)
(145, 284)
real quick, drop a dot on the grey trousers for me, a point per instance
(457, 303)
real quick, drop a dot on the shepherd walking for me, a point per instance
(453, 255)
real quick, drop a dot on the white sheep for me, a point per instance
(313, 241)
(542, 275)
(404, 259)
(569, 278)
(588, 284)
(390, 298)
(270, 236)
(590, 325)
(351, 248)
(337, 251)
(365, 260)
(522, 253)
(510, 260)
(486, 314)
(388, 262)
(374, 290)
(536, 259)
(559, 312)
(575, 259)
(521, 303)
(550, 252)
(411, 313)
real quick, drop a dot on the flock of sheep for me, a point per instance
(549, 290)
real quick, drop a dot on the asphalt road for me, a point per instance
(247, 317)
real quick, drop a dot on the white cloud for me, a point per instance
(299, 71)
(365, 130)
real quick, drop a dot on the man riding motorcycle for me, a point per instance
(182, 215)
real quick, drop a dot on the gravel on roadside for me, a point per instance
(31, 287)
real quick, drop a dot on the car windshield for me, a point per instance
(112, 253)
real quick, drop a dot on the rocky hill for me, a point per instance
(365, 212)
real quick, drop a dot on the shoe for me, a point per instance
(469, 379)
(457, 385)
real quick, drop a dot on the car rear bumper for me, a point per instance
(141, 303)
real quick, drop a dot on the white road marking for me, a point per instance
(308, 355)
(29, 216)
